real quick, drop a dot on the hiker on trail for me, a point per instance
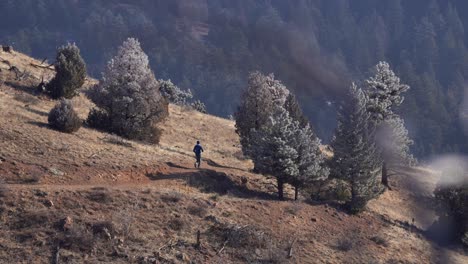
(198, 149)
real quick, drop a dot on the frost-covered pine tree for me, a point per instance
(295, 111)
(310, 160)
(128, 95)
(173, 93)
(262, 96)
(385, 90)
(355, 155)
(273, 148)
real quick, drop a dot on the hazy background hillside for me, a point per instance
(315, 47)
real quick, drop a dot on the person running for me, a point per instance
(198, 149)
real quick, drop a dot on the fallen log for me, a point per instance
(50, 67)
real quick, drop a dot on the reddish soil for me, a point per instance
(127, 202)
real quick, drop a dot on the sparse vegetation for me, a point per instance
(33, 218)
(172, 197)
(243, 236)
(197, 210)
(379, 240)
(176, 224)
(99, 195)
(29, 178)
(77, 239)
(64, 118)
(3, 189)
(113, 139)
(104, 229)
(344, 244)
(174, 94)
(214, 197)
(199, 106)
(26, 98)
(71, 73)
(293, 209)
(246, 243)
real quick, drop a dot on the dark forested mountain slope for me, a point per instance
(315, 47)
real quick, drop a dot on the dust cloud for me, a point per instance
(452, 169)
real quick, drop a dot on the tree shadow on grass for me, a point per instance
(442, 232)
(37, 112)
(20, 87)
(39, 124)
(210, 181)
(173, 165)
(212, 163)
(339, 206)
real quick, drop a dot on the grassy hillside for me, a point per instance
(91, 197)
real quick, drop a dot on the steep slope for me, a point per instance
(95, 198)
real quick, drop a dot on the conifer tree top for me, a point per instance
(384, 90)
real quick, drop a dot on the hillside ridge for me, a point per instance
(97, 198)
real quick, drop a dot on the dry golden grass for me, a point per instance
(153, 200)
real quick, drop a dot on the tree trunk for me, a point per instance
(280, 188)
(296, 191)
(385, 175)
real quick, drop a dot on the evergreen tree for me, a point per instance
(71, 73)
(295, 111)
(355, 154)
(344, 37)
(384, 91)
(174, 94)
(258, 102)
(128, 95)
(310, 160)
(272, 148)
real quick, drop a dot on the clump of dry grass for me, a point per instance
(344, 244)
(28, 178)
(247, 243)
(172, 197)
(26, 98)
(116, 140)
(3, 189)
(239, 155)
(238, 236)
(77, 239)
(379, 240)
(176, 224)
(197, 210)
(100, 195)
(104, 229)
(293, 209)
(125, 222)
(34, 218)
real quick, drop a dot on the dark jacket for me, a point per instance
(198, 149)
